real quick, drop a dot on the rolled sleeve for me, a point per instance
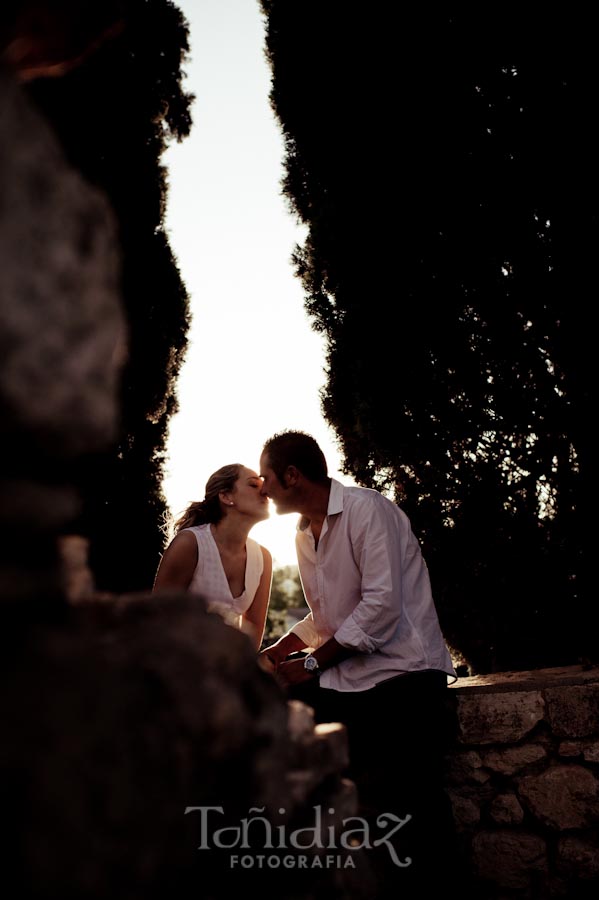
(306, 632)
(351, 635)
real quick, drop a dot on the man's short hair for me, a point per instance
(296, 448)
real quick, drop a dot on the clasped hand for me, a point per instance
(287, 673)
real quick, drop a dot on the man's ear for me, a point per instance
(292, 476)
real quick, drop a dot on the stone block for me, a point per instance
(573, 712)
(331, 750)
(509, 859)
(591, 752)
(466, 768)
(506, 810)
(562, 797)
(300, 721)
(498, 718)
(318, 754)
(578, 858)
(77, 577)
(343, 799)
(514, 758)
(299, 784)
(63, 328)
(570, 748)
(465, 811)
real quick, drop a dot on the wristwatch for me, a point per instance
(311, 664)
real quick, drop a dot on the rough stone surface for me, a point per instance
(578, 859)
(465, 811)
(498, 718)
(510, 860)
(301, 784)
(573, 712)
(331, 747)
(591, 752)
(514, 758)
(505, 797)
(62, 333)
(562, 797)
(118, 718)
(62, 342)
(77, 578)
(570, 749)
(344, 799)
(315, 754)
(506, 810)
(466, 768)
(535, 679)
(300, 721)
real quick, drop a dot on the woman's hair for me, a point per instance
(296, 448)
(200, 512)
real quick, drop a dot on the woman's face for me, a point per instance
(247, 495)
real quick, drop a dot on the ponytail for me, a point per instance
(209, 510)
(200, 512)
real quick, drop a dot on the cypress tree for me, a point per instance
(444, 166)
(114, 115)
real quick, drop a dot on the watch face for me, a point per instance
(310, 663)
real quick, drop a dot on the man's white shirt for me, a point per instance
(367, 585)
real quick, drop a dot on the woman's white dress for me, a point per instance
(209, 579)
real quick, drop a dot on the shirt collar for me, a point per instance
(334, 508)
(335, 498)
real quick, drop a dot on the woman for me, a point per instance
(212, 554)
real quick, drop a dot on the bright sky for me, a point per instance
(254, 366)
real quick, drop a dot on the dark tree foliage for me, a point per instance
(446, 166)
(114, 115)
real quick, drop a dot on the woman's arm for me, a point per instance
(255, 616)
(177, 564)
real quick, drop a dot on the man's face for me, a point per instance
(280, 494)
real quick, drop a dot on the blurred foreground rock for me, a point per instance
(135, 728)
(122, 714)
(62, 340)
(117, 717)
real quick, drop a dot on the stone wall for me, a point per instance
(523, 778)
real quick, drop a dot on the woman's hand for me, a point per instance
(280, 650)
(267, 663)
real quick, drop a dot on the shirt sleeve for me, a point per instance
(377, 545)
(306, 631)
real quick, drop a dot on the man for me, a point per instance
(377, 659)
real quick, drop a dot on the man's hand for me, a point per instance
(292, 672)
